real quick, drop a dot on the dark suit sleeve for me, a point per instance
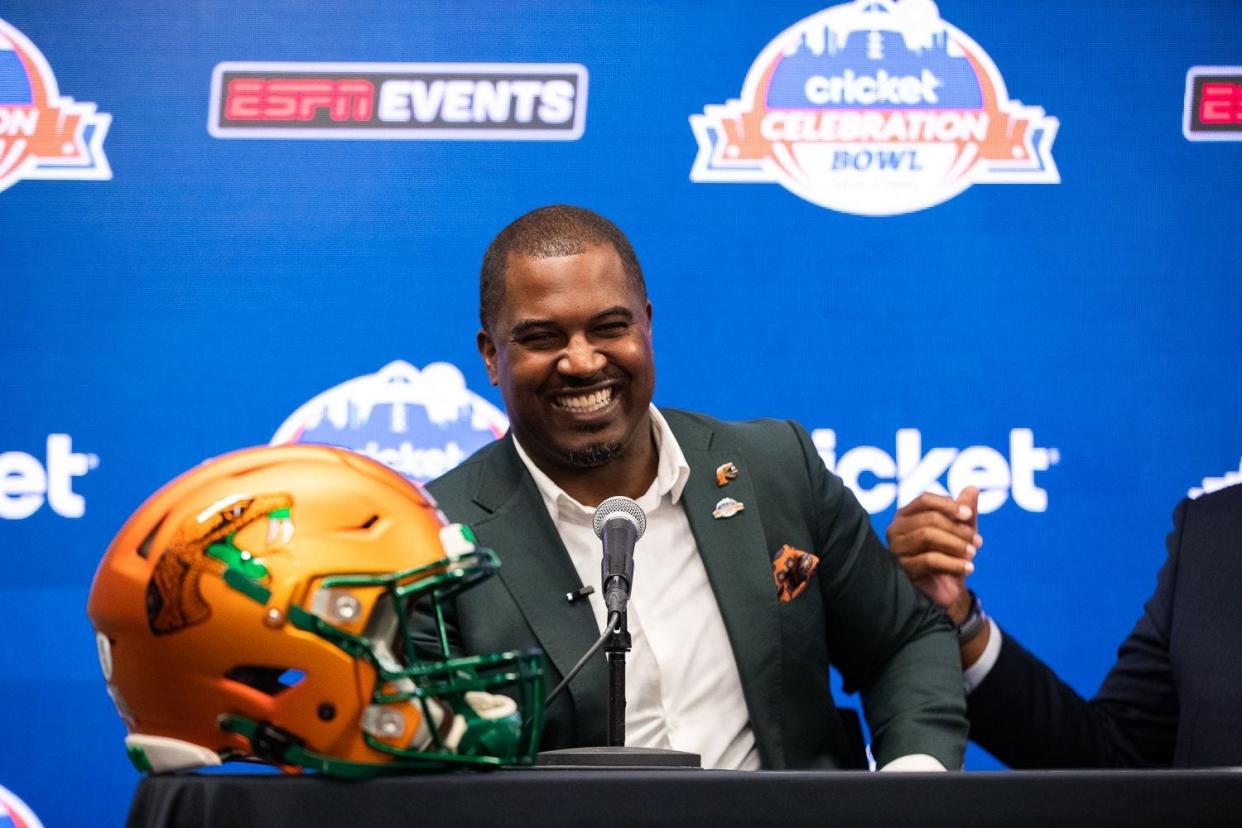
(886, 638)
(1028, 718)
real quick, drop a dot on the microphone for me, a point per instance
(619, 522)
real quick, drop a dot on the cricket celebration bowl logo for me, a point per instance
(44, 135)
(420, 423)
(877, 108)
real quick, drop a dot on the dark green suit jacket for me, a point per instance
(859, 613)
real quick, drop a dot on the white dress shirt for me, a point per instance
(682, 687)
(977, 672)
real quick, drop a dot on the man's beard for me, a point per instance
(592, 456)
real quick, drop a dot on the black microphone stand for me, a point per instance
(615, 755)
(619, 522)
(617, 646)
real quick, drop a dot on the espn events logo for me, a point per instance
(877, 108)
(900, 479)
(42, 134)
(26, 482)
(419, 423)
(429, 101)
(1213, 110)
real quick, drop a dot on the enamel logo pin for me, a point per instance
(727, 507)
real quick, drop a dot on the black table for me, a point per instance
(718, 798)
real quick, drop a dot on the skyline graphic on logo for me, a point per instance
(421, 423)
(876, 108)
(1215, 484)
(42, 134)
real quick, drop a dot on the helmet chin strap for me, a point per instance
(491, 726)
(483, 712)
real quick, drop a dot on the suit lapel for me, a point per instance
(537, 572)
(739, 568)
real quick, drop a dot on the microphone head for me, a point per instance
(615, 506)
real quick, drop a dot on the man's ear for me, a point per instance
(487, 349)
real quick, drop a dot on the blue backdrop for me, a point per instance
(1057, 306)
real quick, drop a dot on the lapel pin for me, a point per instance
(725, 473)
(727, 507)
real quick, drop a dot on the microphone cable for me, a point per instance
(613, 618)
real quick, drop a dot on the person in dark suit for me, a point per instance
(1170, 700)
(759, 568)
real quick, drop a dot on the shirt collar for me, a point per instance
(672, 471)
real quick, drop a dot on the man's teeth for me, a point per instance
(585, 403)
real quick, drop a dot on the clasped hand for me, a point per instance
(936, 539)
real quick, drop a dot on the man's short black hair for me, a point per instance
(557, 230)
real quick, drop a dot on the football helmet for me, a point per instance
(259, 607)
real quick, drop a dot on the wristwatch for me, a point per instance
(970, 628)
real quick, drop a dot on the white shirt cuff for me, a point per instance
(974, 675)
(914, 762)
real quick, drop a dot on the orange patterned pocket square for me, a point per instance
(792, 570)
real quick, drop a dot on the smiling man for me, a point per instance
(758, 570)
(567, 337)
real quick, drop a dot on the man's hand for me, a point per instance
(935, 538)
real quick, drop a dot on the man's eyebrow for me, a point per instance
(619, 310)
(528, 325)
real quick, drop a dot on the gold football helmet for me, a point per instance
(259, 606)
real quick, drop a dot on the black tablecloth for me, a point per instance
(718, 798)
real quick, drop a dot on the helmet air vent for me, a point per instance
(270, 681)
(144, 548)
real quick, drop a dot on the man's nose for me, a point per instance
(580, 359)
